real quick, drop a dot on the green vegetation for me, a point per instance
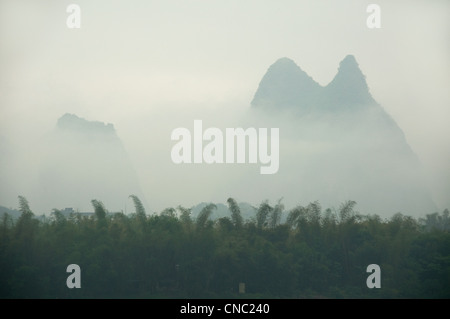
(315, 253)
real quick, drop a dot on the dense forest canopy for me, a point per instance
(313, 253)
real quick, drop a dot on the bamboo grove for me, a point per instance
(309, 253)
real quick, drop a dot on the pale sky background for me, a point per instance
(143, 64)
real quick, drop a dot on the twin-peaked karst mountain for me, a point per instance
(337, 143)
(287, 86)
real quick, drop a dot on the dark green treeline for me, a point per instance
(313, 253)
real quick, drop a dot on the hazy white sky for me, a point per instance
(139, 64)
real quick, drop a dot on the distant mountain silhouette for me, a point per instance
(13, 213)
(71, 122)
(348, 88)
(85, 160)
(286, 86)
(337, 142)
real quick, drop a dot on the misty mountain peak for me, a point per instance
(349, 86)
(285, 85)
(83, 160)
(71, 122)
(349, 73)
(284, 65)
(349, 62)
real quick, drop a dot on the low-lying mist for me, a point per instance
(332, 159)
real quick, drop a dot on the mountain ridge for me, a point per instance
(83, 160)
(338, 142)
(286, 86)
